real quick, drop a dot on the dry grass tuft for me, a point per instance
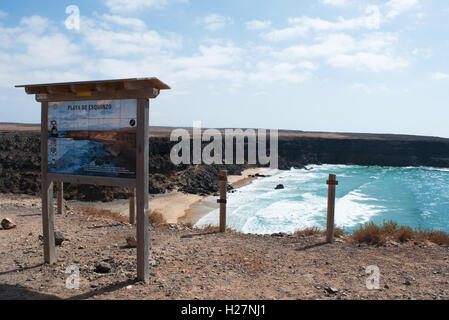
(438, 237)
(308, 232)
(369, 233)
(389, 227)
(209, 228)
(404, 234)
(156, 218)
(339, 232)
(103, 213)
(373, 234)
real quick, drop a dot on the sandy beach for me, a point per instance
(176, 206)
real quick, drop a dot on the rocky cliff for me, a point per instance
(20, 160)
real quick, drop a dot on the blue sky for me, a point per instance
(318, 65)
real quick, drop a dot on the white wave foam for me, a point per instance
(351, 209)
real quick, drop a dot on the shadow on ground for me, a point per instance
(315, 245)
(101, 291)
(17, 292)
(198, 235)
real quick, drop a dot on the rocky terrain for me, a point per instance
(199, 264)
(20, 159)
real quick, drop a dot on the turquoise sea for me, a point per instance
(413, 196)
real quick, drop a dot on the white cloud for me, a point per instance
(425, 53)
(104, 37)
(367, 61)
(214, 21)
(372, 88)
(3, 14)
(397, 7)
(257, 24)
(211, 56)
(440, 76)
(421, 15)
(269, 71)
(371, 52)
(286, 34)
(115, 45)
(301, 26)
(377, 41)
(337, 3)
(332, 44)
(133, 23)
(35, 51)
(121, 6)
(35, 24)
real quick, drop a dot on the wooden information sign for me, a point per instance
(96, 132)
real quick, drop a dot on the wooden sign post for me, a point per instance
(332, 182)
(60, 196)
(104, 126)
(223, 179)
(132, 206)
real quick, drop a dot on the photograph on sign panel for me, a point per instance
(93, 138)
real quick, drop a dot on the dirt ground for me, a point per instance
(193, 264)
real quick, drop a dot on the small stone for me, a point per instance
(386, 286)
(59, 238)
(103, 267)
(393, 243)
(279, 187)
(8, 224)
(307, 275)
(132, 242)
(331, 290)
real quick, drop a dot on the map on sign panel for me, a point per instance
(93, 138)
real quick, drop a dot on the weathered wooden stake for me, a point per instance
(132, 206)
(223, 178)
(332, 182)
(60, 195)
(46, 192)
(142, 139)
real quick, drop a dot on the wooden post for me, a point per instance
(223, 179)
(59, 186)
(332, 182)
(46, 192)
(132, 206)
(142, 150)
